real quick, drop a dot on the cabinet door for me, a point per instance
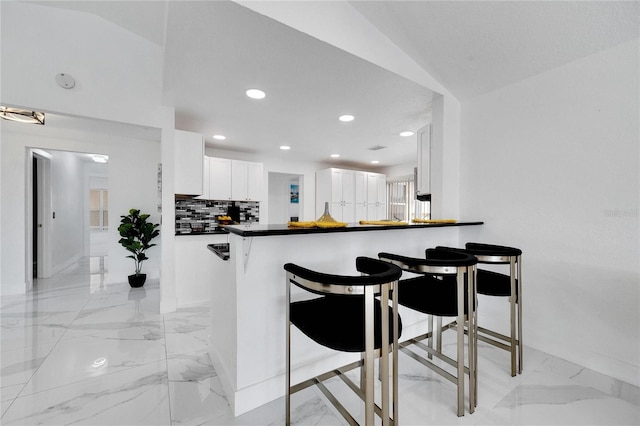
(423, 183)
(381, 189)
(349, 186)
(336, 186)
(372, 188)
(238, 180)
(188, 162)
(254, 181)
(219, 179)
(206, 184)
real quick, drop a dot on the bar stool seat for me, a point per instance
(445, 287)
(352, 314)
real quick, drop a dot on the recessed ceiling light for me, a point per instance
(256, 94)
(346, 117)
(335, 155)
(219, 137)
(285, 147)
(405, 134)
(100, 158)
(374, 162)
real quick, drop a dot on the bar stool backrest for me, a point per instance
(377, 273)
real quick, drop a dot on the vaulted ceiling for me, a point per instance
(214, 51)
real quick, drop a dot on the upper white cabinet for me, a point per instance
(246, 180)
(189, 163)
(423, 181)
(235, 180)
(219, 179)
(352, 195)
(255, 181)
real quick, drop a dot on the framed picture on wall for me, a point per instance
(295, 194)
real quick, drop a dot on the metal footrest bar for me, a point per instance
(338, 372)
(496, 335)
(325, 376)
(417, 341)
(491, 340)
(347, 416)
(444, 373)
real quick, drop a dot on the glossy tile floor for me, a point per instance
(78, 351)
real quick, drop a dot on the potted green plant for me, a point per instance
(136, 235)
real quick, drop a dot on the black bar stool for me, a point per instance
(445, 287)
(352, 314)
(496, 284)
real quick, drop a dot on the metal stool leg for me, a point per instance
(520, 346)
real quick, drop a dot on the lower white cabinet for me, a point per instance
(195, 267)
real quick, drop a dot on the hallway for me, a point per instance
(79, 351)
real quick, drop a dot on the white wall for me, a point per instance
(132, 178)
(551, 164)
(118, 74)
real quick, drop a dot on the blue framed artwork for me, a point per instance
(295, 194)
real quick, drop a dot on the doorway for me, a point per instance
(69, 197)
(286, 197)
(41, 213)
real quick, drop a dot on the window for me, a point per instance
(99, 209)
(403, 205)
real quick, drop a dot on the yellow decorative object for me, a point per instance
(317, 224)
(416, 220)
(334, 224)
(301, 224)
(382, 222)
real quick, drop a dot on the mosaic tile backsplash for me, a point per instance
(201, 215)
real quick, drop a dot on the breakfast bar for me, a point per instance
(247, 342)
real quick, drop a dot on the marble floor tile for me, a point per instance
(187, 330)
(80, 351)
(137, 396)
(17, 367)
(77, 359)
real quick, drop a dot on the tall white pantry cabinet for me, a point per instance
(352, 195)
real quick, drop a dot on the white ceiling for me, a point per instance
(215, 50)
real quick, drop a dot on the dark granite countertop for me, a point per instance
(283, 229)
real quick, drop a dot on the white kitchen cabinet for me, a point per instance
(338, 188)
(246, 180)
(188, 163)
(233, 180)
(255, 181)
(360, 195)
(376, 196)
(206, 184)
(195, 265)
(423, 181)
(219, 178)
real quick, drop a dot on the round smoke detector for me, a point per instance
(65, 81)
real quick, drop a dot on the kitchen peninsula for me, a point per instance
(248, 297)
